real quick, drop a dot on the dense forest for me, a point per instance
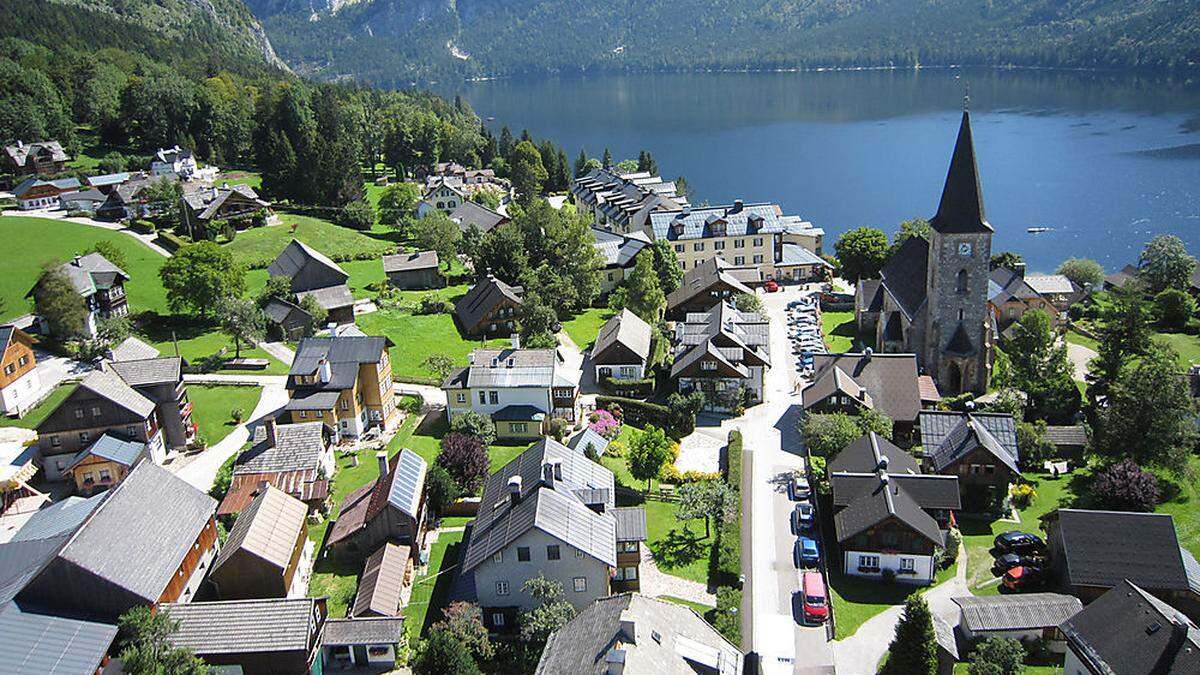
(394, 42)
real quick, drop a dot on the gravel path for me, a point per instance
(655, 582)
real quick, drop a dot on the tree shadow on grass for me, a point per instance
(680, 548)
(442, 587)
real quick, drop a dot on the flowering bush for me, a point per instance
(1022, 495)
(603, 423)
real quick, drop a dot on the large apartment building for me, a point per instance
(623, 202)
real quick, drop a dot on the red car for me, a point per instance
(1023, 577)
(770, 286)
(816, 605)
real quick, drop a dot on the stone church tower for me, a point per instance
(957, 333)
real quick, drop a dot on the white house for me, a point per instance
(440, 195)
(174, 161)
(622, 347)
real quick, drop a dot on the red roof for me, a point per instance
(303, 484)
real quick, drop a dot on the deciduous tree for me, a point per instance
(527, 172)
(465, 458)
(242, 321)
(475, 424)
(712, 500)
(997, 656)
(200, 276)
(1082, 272)
(398, 201)
(643, 294)
(57, 302)
(436, 232)
(551, 612)
(1165, 263)
(861, 253)
(1124, 486)
(648, 454)
(443, 653)
(1039, 366)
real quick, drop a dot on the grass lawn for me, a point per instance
(700, 609)
(586, 325)
(858, 599)
(431, 588)
(35, 416)
(1188, 346)
(425, 440)
(679, 547)
(416, 338)
(211, 406)
(42, 240)
(259, 246)
(1081, 340)
(251, 178)
(198, 342)
(840, 331)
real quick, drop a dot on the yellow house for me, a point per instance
(345, 382)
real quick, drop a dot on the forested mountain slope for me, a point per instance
(394, 41)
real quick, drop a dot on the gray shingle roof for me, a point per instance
(382, 581)
(961, 206)
(91, 272)
(903, 275)
(619, 250)
(795, 254)
(19, 153)
(1075, 434)
(483, 298)
(1050, 284)
(244, 626)
(581, 440)
(125, 453)
(700, 279)
(1005, 284)
(296, 255)
(406, 262)
(1101, 548)
(160, 370)
(132, 349)
(739, 220)
(1022, 611)
(20, 561)
(108, 385)
(863, 455)
(1131, 632)
(268, 529)
(59, 518)
(329, 297)
(278, 310)
(889, 379)
(553, 507)
(344, 354)
(40, 644)
(947, 436)
(501, 368)
(469, 213)
(371, 630)
(929, 491)
(626, 329)
(669, 639)
(297, 446)
(883, 501)
(631, 523)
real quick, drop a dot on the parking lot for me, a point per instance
(804, 332)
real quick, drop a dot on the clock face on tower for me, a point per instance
(964, 249)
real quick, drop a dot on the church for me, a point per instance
(931, 299)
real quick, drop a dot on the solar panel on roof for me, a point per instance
(406, 486)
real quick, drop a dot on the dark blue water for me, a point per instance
(1106, 160)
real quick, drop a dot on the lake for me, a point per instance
(1107, 160)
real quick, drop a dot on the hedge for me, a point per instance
(727, 552)
(728, 619)
(169, 241)
(638, 413)
(628, 388)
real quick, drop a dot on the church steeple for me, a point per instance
(961, 208)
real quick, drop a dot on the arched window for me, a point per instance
(960, 282)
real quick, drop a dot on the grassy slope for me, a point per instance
(416, 338)
(856, 600)
(35, 416)
(212, 406)
(262, 244)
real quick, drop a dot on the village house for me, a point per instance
(82, 560)
(286, 321)
(489, 307)
(623, 203)
(619, 253)
(1131, 632)
(1069, 441)
(622, 347)
(160, 380)
(441, 194)
(345, 382)
(979, 448)
(931, 297)
(889, 517)
(253, 637)
(1010, 297)
(294, 458)
(634, 633)
(414, 271)
(800, 264)
(234, 204)
(44, 643)
(312, 273)
(521, 390)
(1030, 618)
(264, 554)
(102, 285)
(20, 385)
(390, 508)
(132, 349)
(851, 382)
(470, 213)
(107, 182)
(550, 511)
(104, 463)
(709, 284)
(1090, 552)
(723, 353)
(127, 199)
(368, 642)
(1056, 288)
(83, 201)
(37, 193)
(101, 403)
(174, 161)
(43, 158)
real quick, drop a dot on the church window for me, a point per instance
(961, 282)
(961, 314)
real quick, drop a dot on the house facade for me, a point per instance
(723, 353)
(521, 531)
(414, 271)
(1010, 297)
(344, 382)
(622, 347)
(490, 307)
(709, 284)
(740, 234)
(104, 463)
(161, 381)
(854, 381)
(392, 509)
(521, 390)
(175, 161)
(440, 194)
(232, 203)
(44, 158)
(979, 448)
(20, 385)
(36, 193)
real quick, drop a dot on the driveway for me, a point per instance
(201, 471)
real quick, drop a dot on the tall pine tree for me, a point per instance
(914, 649)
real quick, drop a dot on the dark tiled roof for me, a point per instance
(381, 582)
(863, 455)
(889, 379)
(1130, 632)
(400, 489)
(278, 310)
(1022, 611)
(698, 280)
(948, 436)
(928, 491)
(40, 644)
(329, 297)
(469, 213)
(160, 370)
(1101, 548)
(619, 250)
(961, 207)
(903, 275)
(1075, 434)
(877, 504)
(296, 255)
(371, 630)
(344, 354)
(626, 329)
(244, 626)
(483, 298)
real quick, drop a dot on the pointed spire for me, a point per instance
(961, 208)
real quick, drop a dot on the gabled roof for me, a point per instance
(400, 489)
(296, 255)
(631, 523)
(1101, 548)
(587, 437)
(344, 355)
(206, 202)
(382, 581)
(1075, 434)
(267, 529)
(1051, 284)
(110, 386)
(961, 207)
(551, 506)
(707, 275)
(619, 250)
(89, 273)
(889, 379)
(929, 491)
(132, 349)
(887, 499)
(125, 453)
(366, 630)
(795, 254)
(142, 372)
(408, 262)
(1021, 611)
(668, 639)
(903, 275)
(8, 333)
(40, 644)
(1005, 285)
(297, 446)
(278, 310)
(329, 297)
(246, 626)
(59, 518)
(469, 213)
(1131, 632)
(626, 329)
(482, 298)
(863, 455)
(947, 436)
(20, 152)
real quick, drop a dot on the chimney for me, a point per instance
(1179, 633)
(557, 464)
(867, 353)
(1019, 268)
(514, 490)
(332, 326)
(737, 206)
(382, 458)
(324, 372)
(883, 464)
(515, 340)
(77, 259)
(615, 660)
(272, 432)
(548, 474)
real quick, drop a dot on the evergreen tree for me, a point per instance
(666, 264)
(607, 161)
(527, 173)
(913, 651)
(581, 164)
(506, 144)
(1123, 332)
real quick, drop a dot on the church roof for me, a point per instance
(961, 208)
(904, 275)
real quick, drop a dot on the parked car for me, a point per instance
(1008, 561)
(798, 488)
(770, 286)
(807, 553)
(1016, 541)
(1024, 577)
(815, 602)
(802, 517)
